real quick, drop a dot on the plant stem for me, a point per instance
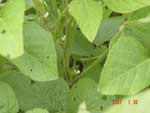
(60, 17)
(40, 8)
(70, 30)
(100, 59)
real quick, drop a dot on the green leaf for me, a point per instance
(53, 96)
(106, 12)
(37, 110)
(108, 29)
(88, 14)
(142, 15)
(92, 70)
(11, 27)
(39, 61)
(138, 26)
(140, 32)
(3, 61)
(142, 106)
(127, 6)
(87, 98)
(8, 101)
(127, 66)
(80, 46)
(126, 70)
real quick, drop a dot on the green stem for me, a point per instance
(60, 17)
(70, 30)
(39, 6)
(100, 59)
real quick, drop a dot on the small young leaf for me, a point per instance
(88, 14)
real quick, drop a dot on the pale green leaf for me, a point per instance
(8, 101)
(37, 110)
(142, 106)
(88, 14)
(136, 25)
(126, 70)
(53, 96)
(11, 27)
(39, 61)
(140, 32)
(126, 6)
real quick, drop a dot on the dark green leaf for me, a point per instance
(53, 96)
